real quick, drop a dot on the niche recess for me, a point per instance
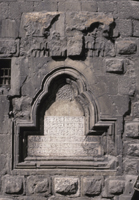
(65, 130)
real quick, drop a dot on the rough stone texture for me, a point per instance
(116, 186)
(131, 167)
(126, 47)
(132, 130)
(124, 27)
(66, 186)
(136, 28)
(93, 47)
(114, 65)
(135, 109)
(12, 184)
(9, 29)
(133, 149)
(74, 46)
(9, 47)
(92, 186)
(38, 185)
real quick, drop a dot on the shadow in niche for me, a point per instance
(135, 195)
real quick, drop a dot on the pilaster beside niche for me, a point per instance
(65, 131)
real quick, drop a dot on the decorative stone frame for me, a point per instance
(93, 126)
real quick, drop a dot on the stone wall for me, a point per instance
(93, 46)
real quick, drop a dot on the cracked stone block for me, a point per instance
(92, 186)
(38, 185)
(114, 65)
(132, 130)
(12, 184)
(75, 45)
(66, 186)
(116, 186)
(126, 47)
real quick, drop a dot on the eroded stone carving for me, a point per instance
(91, 31)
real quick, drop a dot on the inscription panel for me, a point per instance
(64, 136)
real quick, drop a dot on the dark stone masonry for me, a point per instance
(69, 100)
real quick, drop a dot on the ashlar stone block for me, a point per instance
(68, 186)
(116, 186)
(92, 186)
(132, 130)
(114, 65)
(12, 184)
(133, 149)
(75, 45)
(38, 185)
(126, 47)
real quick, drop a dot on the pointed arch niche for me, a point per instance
(64, 130)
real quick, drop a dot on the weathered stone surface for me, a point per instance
(5, 144)
(107, 6)
(127, 85)
(38, 185)
(124, 27)
(83, 20)
(37, 23)
(133, 149)
(75, 45)
(123, 197)
(135, 109)
(90, 6)
(126, 47)
(66, 186)
(22, 107)
(132, 130)
(66, 198)
(128, 9)
(3, 164)
(9, 29)
(131, 166)
(129, 185)
(57, 45)
(116, 186)
(6, 198)
(9, 47)
(4, 10)
(12, 184)
(32, 198)
(69, 6)
(45, 5)
(92, 186)
(114, 65)
(16, 10)
(136, 28)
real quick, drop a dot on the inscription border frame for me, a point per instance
(84, 97)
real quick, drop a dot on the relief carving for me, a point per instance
(92, 31)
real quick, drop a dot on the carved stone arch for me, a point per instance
(81, 93)
(32, 137)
